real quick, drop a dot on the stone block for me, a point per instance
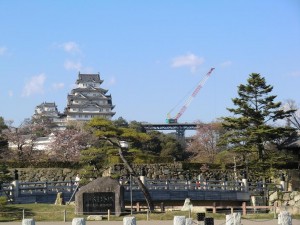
(233, 219)
(286, 197)
(229, 219)
(129, 220)
(95, 217)
(59, 199)
(297, 197)
(273, 197)
(187, 206)
(188, 221)
(105, 193)
(28, 222)
(284, 218)
(179, 220)
(78, 221)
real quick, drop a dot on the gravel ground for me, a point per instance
(157, 222)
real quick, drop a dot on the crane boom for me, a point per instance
(190, 99)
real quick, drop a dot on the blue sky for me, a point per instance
(151, 54)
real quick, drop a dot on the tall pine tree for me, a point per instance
(251, 132)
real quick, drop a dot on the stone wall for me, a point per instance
(45, 174)
(286, 201)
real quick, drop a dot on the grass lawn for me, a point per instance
(40, 212)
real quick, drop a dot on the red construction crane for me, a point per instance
(190, 99)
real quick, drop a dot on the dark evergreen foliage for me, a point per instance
(251, 132)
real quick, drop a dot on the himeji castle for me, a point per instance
(84, 102)
(88, 99)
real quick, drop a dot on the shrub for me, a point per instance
(3, 202)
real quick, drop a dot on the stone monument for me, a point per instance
(99, 196)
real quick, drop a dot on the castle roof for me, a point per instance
(47, 104)
(83, 78)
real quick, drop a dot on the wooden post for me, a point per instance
(137, 206)
(108, 215)
(244, 209)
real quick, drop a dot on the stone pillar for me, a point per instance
(282, 182)
(229, 219)
(245, 182)
(78, 221)
(233, 219)
(179, 220)
(28, 222)
(129, 221)
(188, 221)
(15, 185)
(284, 218)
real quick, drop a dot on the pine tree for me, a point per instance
(251, 132)
(107, 132)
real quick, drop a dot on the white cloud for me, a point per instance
(70, 47)
(70, 65)
(34, 86)
(226, 63)
(189, 60)
(2, 50)
(57, 86)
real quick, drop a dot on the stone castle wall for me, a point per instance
(286, 201)
(45, 174)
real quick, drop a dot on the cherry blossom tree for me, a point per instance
(67, 144)
(203, 147)
(21, 140)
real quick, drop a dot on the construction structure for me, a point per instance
(171, 120)
(179, 128)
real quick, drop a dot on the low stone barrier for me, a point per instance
(129, 220)
(284, 218)
(188, 221)
(179, 220)
(233, 219)
(78, 221)
(28, 222)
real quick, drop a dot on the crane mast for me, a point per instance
(190, 99)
